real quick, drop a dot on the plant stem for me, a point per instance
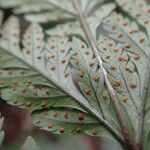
(126, 130)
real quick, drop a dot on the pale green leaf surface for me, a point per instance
(26, 88)
(50, 16)
(125, 53)
(143, 13)
(10, 3)
(67, 5)
(89, 79)
(66, 30)
(50, 58)
(67, 122)
(32, 6)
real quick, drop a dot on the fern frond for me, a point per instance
(143, 13)
(126, 56)
(68, 122)
(94, 68)
(142, 17)
(90, 81)
(36, 57)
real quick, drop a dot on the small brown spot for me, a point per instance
(128, 46)
(94, 132)
(15, 102)
(125, 99)
(81, 116)
(66, 74)
(87, 91)
(28, 52)
(115, 49)
(96, 78)
(138, 15)
(38, 46)
(117, 83)
(113, 28)
(87, 52)
(23, 90)
(62, 50)
(2, 82)
(38, 38)
(29, 81)
(77, 62)
(74, 53)
(55, 115)
(63, 61)
(148, 10)
(125, 24)
(141, 40)
(105, 95)
(128, 69)
(47, 92)
(91, 64)
(53, 68)
(107, 57)
(81, 74)
(133, 84)
(45, 113)
(146, 22)
(62, 130)
(51, 56)
(133, 31)
(136, 57)
(34, 91)
(14, 88)
(120, 35)
(10, 72)
(110, 44)
(50, 126)
(104, 48)
(82, 46)
(28, 103)
(66, 115)
(44, 103)
(52, 46)
(113, 67)
(39, 57)
(22, 72)
(78, 130)
(120, 58)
